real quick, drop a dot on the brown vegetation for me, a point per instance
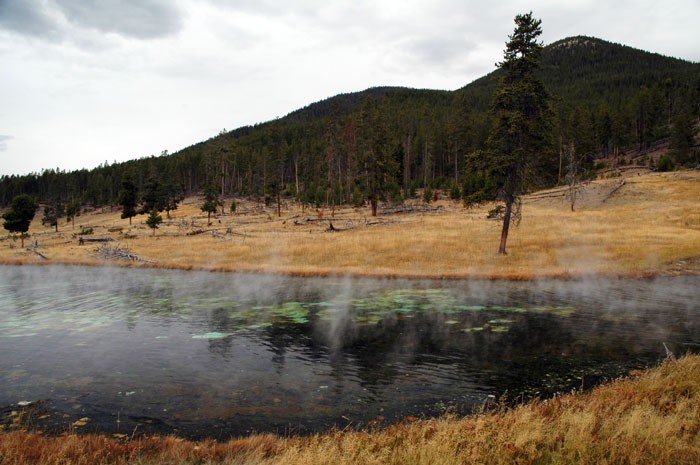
(651, 418)
(651, 225)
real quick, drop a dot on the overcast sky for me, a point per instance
(88, 81)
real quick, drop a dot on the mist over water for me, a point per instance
(219, 354)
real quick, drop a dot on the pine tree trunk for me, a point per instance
(373, 202)
(506, 226)
(296, 175)
(561, 157)
(21, 235)
(510, 199)
(406, 165)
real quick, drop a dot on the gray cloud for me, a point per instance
(438, 50)
(27, 17)
(140, 19)
(3, 142)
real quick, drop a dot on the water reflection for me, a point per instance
(214, 354)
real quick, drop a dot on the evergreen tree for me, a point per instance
(72, 210)
(428, 195)
(52, 212)
(127, 197)
(153, 196)
(683, 134)
(211, 201)
(521, 109)
(171, 196)
(374, 154)
(20, 215)
(153, 220)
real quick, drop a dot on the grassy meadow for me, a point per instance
(650, 225)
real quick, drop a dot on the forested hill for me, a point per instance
(588, 71)
(605, 97)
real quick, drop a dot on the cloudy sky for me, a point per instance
(88, 81)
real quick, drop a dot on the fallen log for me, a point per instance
(195, 232)
(82, 240)
(220, 236)
(33, 249)
(117, 253)
(622, 183)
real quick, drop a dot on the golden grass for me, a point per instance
(650, 226)
(651, 418)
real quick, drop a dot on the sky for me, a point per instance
(83, 82)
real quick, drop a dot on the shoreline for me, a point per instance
(648, 416)
(567, 276)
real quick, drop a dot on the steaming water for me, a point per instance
(218, 354)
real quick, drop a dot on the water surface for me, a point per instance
(202, 354)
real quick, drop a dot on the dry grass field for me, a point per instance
(650, 418)
(650, 225)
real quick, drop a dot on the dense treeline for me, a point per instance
(384, 143)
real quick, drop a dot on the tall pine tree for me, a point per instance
(520, 105)
(127, 197)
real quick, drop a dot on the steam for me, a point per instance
(369, 346)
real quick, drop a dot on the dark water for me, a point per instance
(217, 354)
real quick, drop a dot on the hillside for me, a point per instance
(606, 98)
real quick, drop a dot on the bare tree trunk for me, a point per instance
(222, 176)
(456, 166)
(506, 226)
(373, 202)
(296, 175)
(406, 164)
(21, 235)
(561, 155)
(510, 199)
(347, 176)
(425, 163)
(340, 184)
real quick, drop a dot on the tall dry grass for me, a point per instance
(652, 418)
(651, 225)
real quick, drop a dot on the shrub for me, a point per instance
(455, 192)
(358, 199)
(496, 213)
(665, 163)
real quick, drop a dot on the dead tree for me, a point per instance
(573, 167)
